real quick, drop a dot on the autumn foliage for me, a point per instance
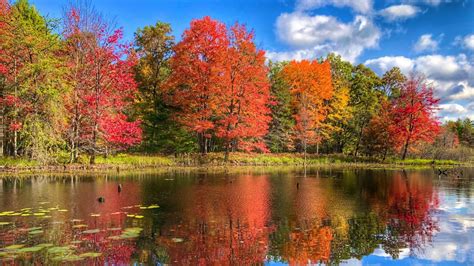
(220, 85)
(311, 87)
(414, 114)
(103, 86)
(87, 91)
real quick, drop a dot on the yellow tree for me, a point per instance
(311, 88)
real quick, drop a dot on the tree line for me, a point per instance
(74, 86)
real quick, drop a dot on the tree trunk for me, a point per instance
(227, 148)
(405, 149)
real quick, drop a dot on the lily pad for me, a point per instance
(45, 245)
(138, 216)
(79, 226)
(90, 255)
(177, 240)
(55, 250)
(36, 232)
(68, 258)
(13, 247)
(92, 231)
(5, 223)
(39, 214)
(30, 249)
(154, 206)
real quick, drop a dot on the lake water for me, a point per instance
(260, 216)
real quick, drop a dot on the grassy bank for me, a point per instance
(134, 161)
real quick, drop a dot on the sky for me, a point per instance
(432, 37)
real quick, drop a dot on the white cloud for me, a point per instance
(451, 76)
(314, 36)
(399, 12)
(469, 41)
(463, 92)
(426, 43)
(383, 64)
(453, 108)
(360, 6)
(427, 2)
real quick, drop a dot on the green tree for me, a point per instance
(392, 82)
(34, 83)
(161, 133)
(340, 110)
(365, 101)
(279, 135)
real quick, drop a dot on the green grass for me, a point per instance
(135, 160)
(17, 162)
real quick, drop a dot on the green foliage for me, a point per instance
(278, 138)
(161, 132)
(365, 101)
(39, 82)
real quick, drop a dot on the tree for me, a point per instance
(219, 86)
(392, 82)
(4, 17)
(379, 136)
(414, 113)
(278, 138)
(196, 79)
(340, 112)
(155, 48)
(311, 88)
(243, 113)
(365, 101)
(32, 83)
(103, 86)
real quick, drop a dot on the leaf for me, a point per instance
(90, 255)
(92, 231)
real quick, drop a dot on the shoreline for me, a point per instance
(212, 162)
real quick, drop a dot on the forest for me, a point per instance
(74, 87)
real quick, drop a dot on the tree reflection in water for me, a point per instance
(233, 219)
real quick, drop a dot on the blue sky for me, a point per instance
(434, 37)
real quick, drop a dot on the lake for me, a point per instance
(268, 216)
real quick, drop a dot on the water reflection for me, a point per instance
(331, 216)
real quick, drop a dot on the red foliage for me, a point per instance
(414, 114)
(4, 13)
(219, 83)
(103, 84)
(243, 108)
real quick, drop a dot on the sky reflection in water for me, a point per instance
(335, 216)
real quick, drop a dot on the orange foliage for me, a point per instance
(311, 88)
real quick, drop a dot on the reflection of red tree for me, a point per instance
(223, 224)
(411, 202)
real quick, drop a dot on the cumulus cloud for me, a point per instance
(426, 43)
(399, 12)
(383, 64)
(427, 2)
(360, 6)
(314, 36)
(469, 42)
(451, 76)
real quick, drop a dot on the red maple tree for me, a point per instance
(197, 76)
(414, 117)
(103, 86)
(219, 85)
(243, 113)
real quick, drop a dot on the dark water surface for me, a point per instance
(252, 217)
